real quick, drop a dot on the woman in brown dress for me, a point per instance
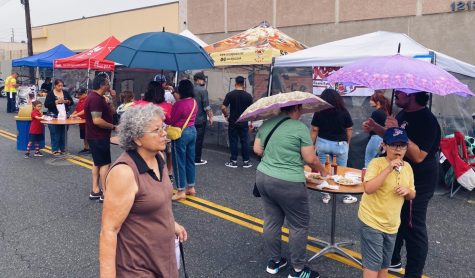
(138, 229)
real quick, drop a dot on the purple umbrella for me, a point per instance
(400, 73)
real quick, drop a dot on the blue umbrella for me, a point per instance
(161, 50)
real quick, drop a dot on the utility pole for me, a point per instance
(12, 38)
(26, 3)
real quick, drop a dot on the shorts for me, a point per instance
(35, 138)
(376, 248)
(101, 151)
(82, 131)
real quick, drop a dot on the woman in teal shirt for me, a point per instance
(281, 182)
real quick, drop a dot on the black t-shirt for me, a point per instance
(332, 124)
(423, 129)
(238, 101)
(379, 116)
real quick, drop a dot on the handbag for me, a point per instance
(255, 190)
(173, 132)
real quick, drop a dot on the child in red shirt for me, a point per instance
(81, 94)
(36, 129)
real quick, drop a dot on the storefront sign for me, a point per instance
(458, 6)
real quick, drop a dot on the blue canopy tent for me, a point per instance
(42, 63)
(44, 59)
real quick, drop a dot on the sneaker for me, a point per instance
(274, 267)
(305, 273)
(397, 267)
(26, 156)
(326, 198)
(101, 199)
(350, 199)
(37, 154)
(231, 164)
(201, 162)
(84, 151)
(247, 164)
(95, 195)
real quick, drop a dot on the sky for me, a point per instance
(44, 12)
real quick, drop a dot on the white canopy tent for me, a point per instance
(188, 34)
(381, 43)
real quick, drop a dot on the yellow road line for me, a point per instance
(79, 158)
(240, 222)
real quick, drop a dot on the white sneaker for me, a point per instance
(326, 198)
(201, 162)
(350, 199)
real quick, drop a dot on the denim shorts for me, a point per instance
(376, 248)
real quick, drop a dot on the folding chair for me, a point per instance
(455, 150)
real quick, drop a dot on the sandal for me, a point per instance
(180, 195)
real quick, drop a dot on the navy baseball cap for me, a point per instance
(395, 135)
(160, 78)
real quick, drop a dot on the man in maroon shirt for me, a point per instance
(98, 113)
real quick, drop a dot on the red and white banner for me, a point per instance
(319, 84)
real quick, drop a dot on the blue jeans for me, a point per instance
(183, 158)
(338, 149)
(57, 134)
(372, 148)
(239, 133)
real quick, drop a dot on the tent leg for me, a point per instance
(271, 71)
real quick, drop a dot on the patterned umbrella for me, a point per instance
(268, 107)
(401, 73)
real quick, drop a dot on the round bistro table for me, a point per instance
(332, 246)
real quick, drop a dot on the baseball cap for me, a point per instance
(395, 135)
(160, 78)
(199, 75)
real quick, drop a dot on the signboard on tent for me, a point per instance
(319, 84)
(255, 46)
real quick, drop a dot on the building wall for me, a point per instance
(85, 33)
(313, 22)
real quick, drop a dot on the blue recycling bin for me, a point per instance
(23, 128)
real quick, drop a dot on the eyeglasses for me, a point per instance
(398, 147)
(158, 130)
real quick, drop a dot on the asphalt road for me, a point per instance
(49, 228)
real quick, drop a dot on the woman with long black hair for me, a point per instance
(331, 133)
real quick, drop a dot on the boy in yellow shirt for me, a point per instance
(388, 181)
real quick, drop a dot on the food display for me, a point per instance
(346, 181)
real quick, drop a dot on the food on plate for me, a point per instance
(315, 176)
(346, 181)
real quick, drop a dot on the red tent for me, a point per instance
(92, 59)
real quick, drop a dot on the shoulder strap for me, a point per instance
(273, 129)
(189, 117)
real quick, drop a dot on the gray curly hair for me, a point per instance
(133, 122)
